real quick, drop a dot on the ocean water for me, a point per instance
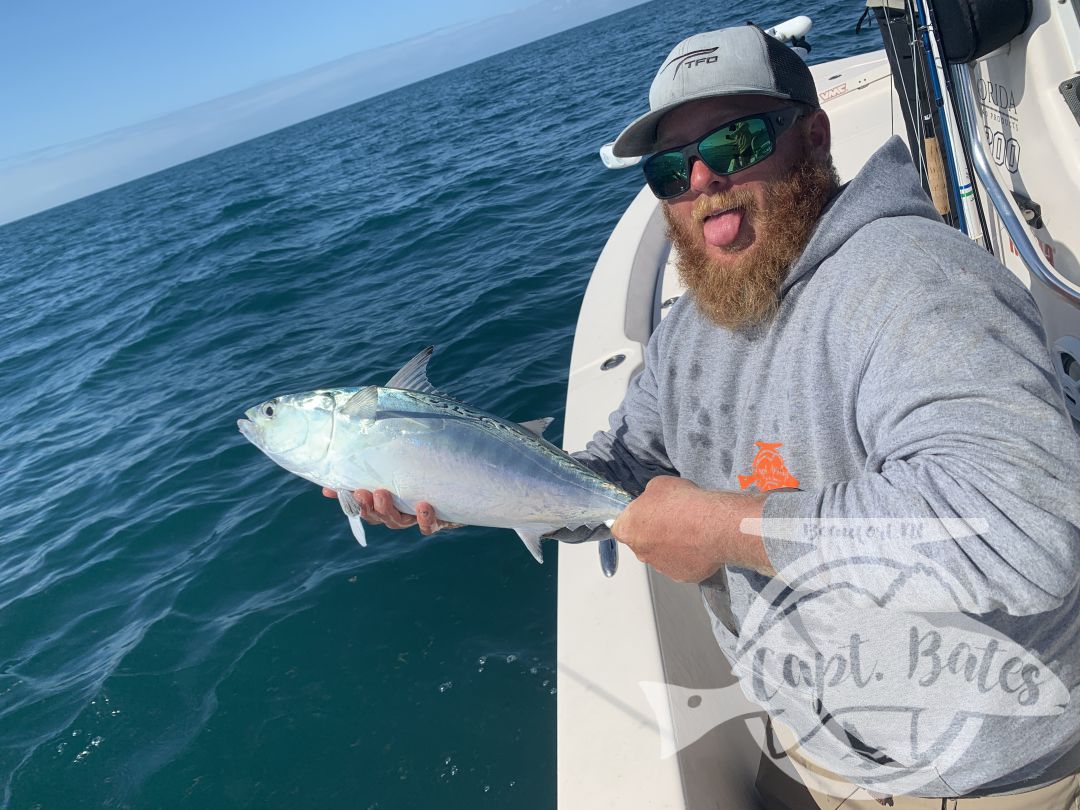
(184, 624)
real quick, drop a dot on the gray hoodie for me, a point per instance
(904, 380)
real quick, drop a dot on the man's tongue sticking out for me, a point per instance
(722, 229)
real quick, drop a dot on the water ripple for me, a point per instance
(181, 622)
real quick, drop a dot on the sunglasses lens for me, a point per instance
(726, 151)
(737, 146)
(667, 175)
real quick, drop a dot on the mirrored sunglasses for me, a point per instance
(735, 146)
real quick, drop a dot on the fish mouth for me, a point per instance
(249, 429)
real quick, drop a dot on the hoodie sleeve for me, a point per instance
(631, 451)
(961, 417)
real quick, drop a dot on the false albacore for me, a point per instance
(421, 445)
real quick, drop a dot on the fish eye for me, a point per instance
(268, 410)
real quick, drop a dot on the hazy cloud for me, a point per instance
(49, 177)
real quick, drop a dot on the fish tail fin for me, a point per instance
(609, 556)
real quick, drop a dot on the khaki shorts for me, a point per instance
(779, 791)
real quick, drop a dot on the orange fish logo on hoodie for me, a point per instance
(769, 470)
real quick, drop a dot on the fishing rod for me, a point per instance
(934, 43)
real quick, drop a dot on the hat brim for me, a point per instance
(639, 138)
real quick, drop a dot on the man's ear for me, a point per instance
(819, 134)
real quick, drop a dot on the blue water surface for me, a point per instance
(184, 624)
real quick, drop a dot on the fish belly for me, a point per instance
(470, 475)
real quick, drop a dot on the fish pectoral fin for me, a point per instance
(364, 404)
(413, 375)
(531, 536)
(351, 507)
(537, 426)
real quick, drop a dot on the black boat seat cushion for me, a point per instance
(972, 28)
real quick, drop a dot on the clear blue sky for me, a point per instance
(74, 69)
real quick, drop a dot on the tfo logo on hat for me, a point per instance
(688, 60)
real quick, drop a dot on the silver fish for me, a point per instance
(408, 438)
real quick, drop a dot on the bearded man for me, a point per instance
(841, 355)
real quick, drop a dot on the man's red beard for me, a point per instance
(743, 289)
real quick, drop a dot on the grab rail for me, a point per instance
(1017, 228)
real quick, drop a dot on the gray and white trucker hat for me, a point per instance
(728, 62)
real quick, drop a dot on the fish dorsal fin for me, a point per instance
(363, 404)
(537, 426)
(413, 375)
